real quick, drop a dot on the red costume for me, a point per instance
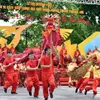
(9, 78)
(81, 84)
(47, 76)
(76, 53)
(96, 50)
(13, 50)
(4, 50)
(89, 52)
(0, 51)
(93, 86)
(52, 29)
(63, 52)
(32, 78)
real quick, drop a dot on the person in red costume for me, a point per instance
(82, 83)
(37, 51)
(48, 73)
(4, 49)
(13, 50)
(93, 87)
(0, 54)
(96, 49)
(63, 53)
(89, 52)
(9, 72)
(32, 77)
(77, 52)
(95, 83)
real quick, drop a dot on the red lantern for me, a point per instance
(72, 19)
(63, 18)
(81, 20)
(87, 22)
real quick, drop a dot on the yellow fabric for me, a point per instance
(87, 75)
(95, 72)
(71, 48)
(8, 30)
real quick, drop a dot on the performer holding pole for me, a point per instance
(47, 73)
(32, 77)
(5, 49)
(13, 50)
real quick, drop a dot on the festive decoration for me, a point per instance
(52, 29)
(8, 30)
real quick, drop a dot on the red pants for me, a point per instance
(15, 82)
(33, 81)
(94, 86)
(81, 84)
(11, 79)
(48, 80)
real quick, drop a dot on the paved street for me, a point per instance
(61, 93)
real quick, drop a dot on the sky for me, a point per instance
(3, 23)
(91, 45)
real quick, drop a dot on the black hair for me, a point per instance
(30, 53)
(46, 49)
(9, 51)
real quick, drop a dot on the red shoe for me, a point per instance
(80, 91)
(94, 93)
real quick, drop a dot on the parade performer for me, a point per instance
(63, 53)
(9, 71)
(32, 77)
(95, 72)
(47, 73)
(0, 49)
(5, 49)
(13, 50)
(82, 83)
(89, 52)
(96, 49)
(77, 52)
(96, 75)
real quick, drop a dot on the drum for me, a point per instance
(79, 72)
(56, 61)
(79, 59)
(67, 59)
